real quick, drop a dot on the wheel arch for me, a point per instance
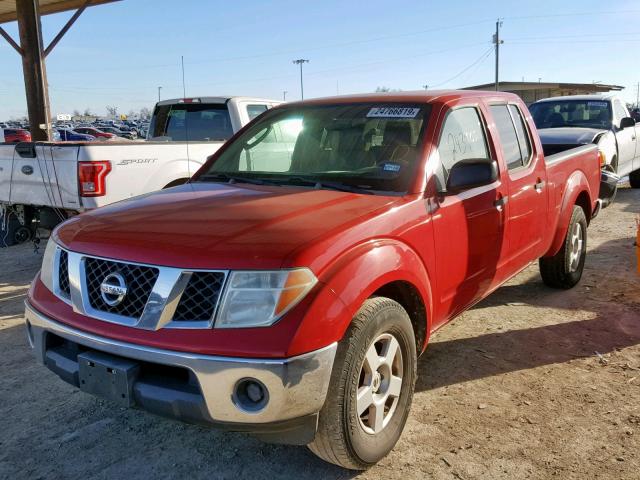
(384, 267)
(577, 193)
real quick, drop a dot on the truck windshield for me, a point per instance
(572, 113)
(193, 122)
(365, 147)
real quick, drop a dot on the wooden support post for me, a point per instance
(33, 66)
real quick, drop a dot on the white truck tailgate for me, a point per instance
(48, 178)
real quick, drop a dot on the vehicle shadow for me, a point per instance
(613, 325)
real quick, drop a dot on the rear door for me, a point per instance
(469, 227)
(527, 179)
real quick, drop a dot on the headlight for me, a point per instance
(258, 299)
(46, 272)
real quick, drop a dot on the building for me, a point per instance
(533, 91)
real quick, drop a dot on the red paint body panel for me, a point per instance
(453, 249)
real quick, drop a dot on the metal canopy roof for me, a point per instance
(519, 86)
(8, 7)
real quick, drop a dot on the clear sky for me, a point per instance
(118, 54)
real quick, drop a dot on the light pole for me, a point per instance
(284, 95)
(300, 61)
(159, 88)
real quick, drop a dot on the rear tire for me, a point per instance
(371, 387)
(634, 179)
(12, 232)
(564, 269)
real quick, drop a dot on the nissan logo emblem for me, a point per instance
(113, 289)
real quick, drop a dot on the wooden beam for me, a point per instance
(10, 40)
(33, 67)
(66, 28)
(55, 7)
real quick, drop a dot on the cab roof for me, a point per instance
(603, 97)
(417, 96)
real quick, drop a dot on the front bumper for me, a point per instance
(297, 386)
(608, 186)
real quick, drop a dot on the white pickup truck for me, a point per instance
(43, 183)
(568, 122)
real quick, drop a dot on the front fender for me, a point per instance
(352, 279)
(577, 191)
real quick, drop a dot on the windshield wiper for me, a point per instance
(234, 179)
(322, 184)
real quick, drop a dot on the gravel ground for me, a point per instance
(531, 383)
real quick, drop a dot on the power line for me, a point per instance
(479, 60)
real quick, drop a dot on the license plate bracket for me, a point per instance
(108, 376)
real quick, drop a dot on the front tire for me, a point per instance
(564, 269)
(371, 387)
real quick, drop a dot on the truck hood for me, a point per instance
(214, 225)
(569, 135)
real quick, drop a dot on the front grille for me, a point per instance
(63, 275)
(139, 279)
(200, 297)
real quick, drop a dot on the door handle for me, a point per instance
(501, 202)
(539, 185)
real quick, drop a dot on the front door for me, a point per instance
(469, 227)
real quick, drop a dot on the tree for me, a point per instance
(384, 89)
(87, 112)
(112, 111)
(145, 113)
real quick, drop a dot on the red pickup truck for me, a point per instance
(289, 287)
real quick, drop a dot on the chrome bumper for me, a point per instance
(296, 386)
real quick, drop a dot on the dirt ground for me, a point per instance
(531, 383)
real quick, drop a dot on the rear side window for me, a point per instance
(462, 138)
(523, 136)
(193, 122)
(254, 110)
(509, 142)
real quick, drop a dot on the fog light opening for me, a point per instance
(250, 395)
(30, 334)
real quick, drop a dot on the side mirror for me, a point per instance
(627, 122)
(470, 173)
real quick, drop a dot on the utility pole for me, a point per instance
(284, 95)
(159, 88)
(300, 61)
(425, 86)
(497, 42)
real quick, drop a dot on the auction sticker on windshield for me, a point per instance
(393, 112)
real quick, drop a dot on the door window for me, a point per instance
(524, 140)
(512, 151)
(462, 138)
(620, 111)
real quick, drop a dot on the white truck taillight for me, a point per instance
(91, 178)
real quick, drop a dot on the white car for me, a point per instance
(567, 122)
(48, 182)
